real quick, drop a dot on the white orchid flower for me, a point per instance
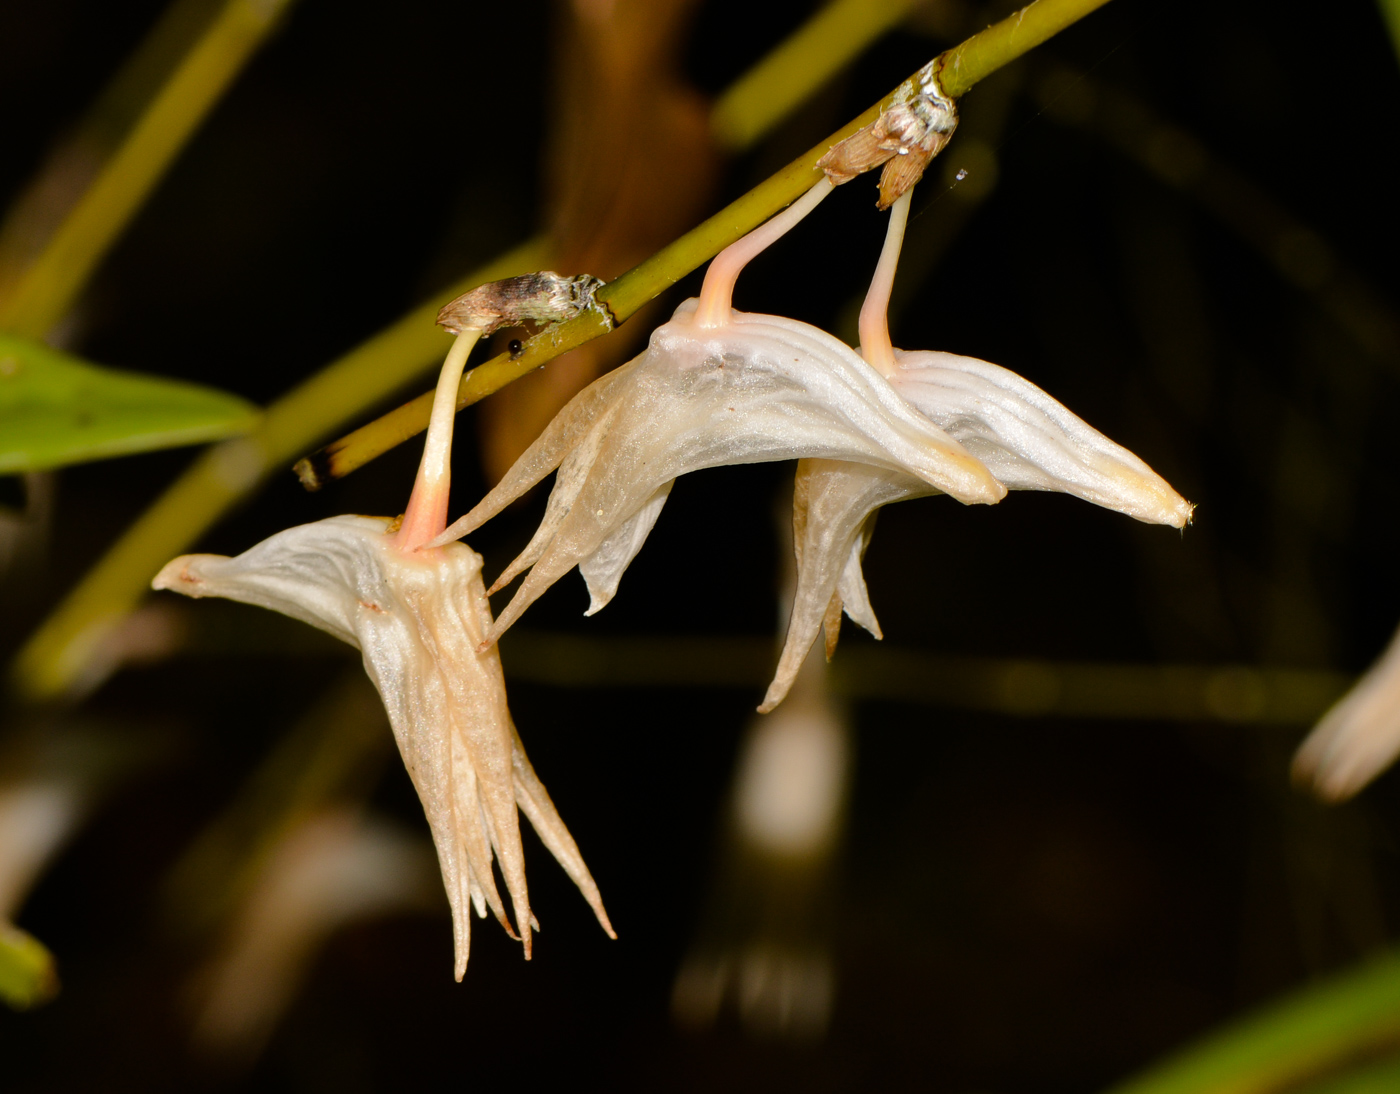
(418, 616)
(714, 387)
(1359, 737)
(1023, 436)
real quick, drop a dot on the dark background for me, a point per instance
(1024, 904)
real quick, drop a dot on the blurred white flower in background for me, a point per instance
(329, 870)
(1359, 737)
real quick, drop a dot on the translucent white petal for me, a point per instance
(855, 597)
(418, 619)
(832, 503)
(1028, 440)
(603, 569)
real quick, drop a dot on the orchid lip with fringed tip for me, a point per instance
(418, 616)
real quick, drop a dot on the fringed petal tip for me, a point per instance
(1159, 504)
(418, 622)
(1174, 511)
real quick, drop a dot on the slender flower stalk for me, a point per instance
(418, 615)
(426, 515)
(716, 307)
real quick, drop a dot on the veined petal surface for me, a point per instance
(1030, 441)
(418, 619)
(1027, 439)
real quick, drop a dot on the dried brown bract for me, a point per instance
(543, 297)
(904, 138)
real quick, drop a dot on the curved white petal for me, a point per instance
(603, 569)
(832, 509)
(1028, 440)
(855, 597)
(418, 619)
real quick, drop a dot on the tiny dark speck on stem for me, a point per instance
(516, 348)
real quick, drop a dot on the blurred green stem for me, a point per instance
(824, 45)
(958, 69)
(1319, 1032)
(1390, 12)
(50, 286)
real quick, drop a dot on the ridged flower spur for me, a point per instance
(418, 615)
(1026, 439)
(715, 386)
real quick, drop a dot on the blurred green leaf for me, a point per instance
(1378, 1077)
(27, 976)
(56, 410)
(1390, 12)
(1314, 1036)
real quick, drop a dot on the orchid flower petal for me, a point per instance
(418, 619)
(833, 503)
(535, 803)
(603, 569)
(1027, 440)
(714, 387)
(851, 589)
